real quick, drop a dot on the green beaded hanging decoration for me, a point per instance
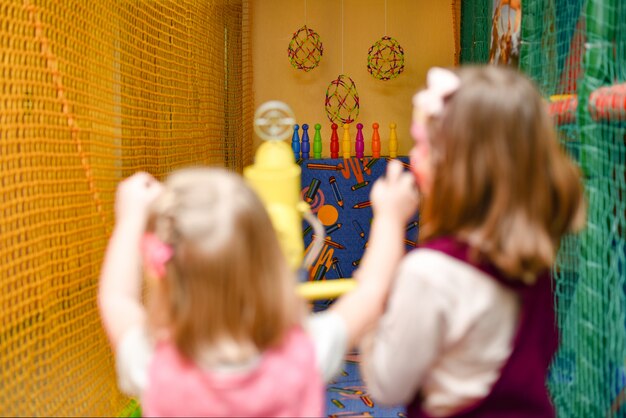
(305, 49)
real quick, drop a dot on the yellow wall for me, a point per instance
(423, 28)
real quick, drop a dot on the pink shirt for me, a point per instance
(285, 383)
(287, 380)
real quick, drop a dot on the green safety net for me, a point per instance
(475, 30)
(575, 51)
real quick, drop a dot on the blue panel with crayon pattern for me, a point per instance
(338, 192)
(347, 396)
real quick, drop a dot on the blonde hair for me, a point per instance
(227, 280)
(501, 182)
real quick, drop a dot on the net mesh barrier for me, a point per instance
(91, 93)
(475, 30)
(575, 51)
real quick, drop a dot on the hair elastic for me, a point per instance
(155, 253)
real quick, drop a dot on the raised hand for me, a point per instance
(395, 195)
(134, 195)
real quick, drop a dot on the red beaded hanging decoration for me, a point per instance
(342, 100)
(385, 59)
(305, 49)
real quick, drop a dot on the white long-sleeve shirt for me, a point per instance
(447, 331)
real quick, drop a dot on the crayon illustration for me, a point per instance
(320, 272)
(361, 205)
(345, 391)
(364, 162)
(412, 226)
(405, 165)
(323, 262)
(358, 228)
(370, 163)
(359, 185)
(310, 194)
(337, 403)
(367, 401)
(336, 192)
(350, 414)
(331, 243)
(333, 228)
(336, 266)
(322, 166)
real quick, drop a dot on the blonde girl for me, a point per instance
(469, 329)
(222, 332)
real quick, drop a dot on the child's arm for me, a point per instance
(119, 296)
(394, 200)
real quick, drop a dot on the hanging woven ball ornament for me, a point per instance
(342, 100)
(385, 59)
(305, 49)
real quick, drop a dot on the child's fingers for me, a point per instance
(136, 193)
(394, 170)
(142, 178)
(149, 181)
(153, 189)
(142, 181)
(407, 183)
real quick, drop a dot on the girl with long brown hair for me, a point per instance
(469, 329)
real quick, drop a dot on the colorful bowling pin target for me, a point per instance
(359, 145)
(345, 143)
(375, 141)
(334, 142)
(295, 142)
(393, 141)
(317, 142)
(305, 146)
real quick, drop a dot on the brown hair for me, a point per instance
(501, 181)
(227, 283)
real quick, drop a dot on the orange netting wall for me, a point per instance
(93, 91)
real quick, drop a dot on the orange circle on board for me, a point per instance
(327, 215)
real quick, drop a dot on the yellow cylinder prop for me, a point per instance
(275, 177)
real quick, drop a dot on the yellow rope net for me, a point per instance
(93, 91)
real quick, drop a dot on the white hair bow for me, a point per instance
(439, 84)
